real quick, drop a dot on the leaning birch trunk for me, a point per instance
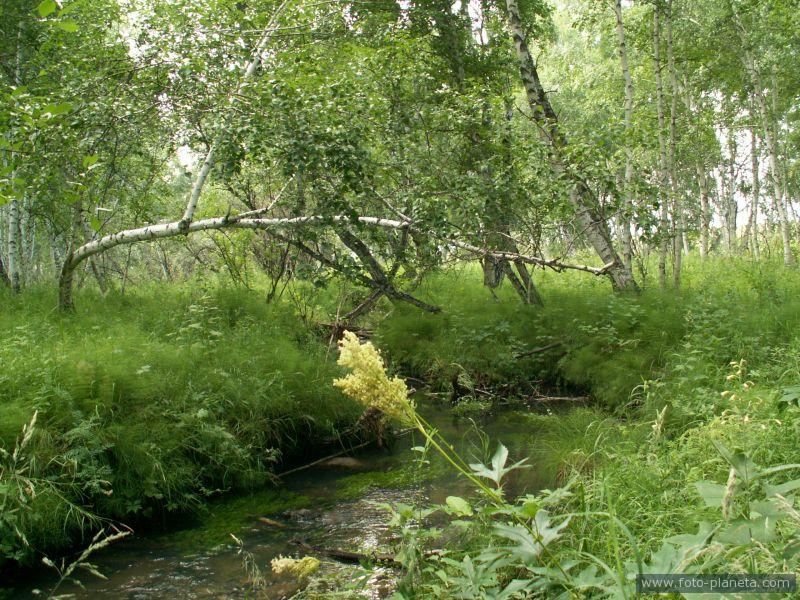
(580, 196)
(775, 174)
(73, 258)
(627, 205)
(677, 217)
(662, 153)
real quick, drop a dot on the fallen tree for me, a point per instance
(243, 221)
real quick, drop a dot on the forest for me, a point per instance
(409, 299)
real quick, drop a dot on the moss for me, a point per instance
(356, 485)
(228, 516)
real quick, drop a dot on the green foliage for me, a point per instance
(679, 485)
(151, 402)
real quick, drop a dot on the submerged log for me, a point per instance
(349, 557)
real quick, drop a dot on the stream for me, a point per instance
(329, 505)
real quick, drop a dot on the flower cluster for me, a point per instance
(368, 383)
(300, 568)
(739, 375)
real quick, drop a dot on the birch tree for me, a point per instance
(661, 172)
(580, 196)
(754, 72)
(627, 207)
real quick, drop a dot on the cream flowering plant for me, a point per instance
(300, 568)
(368, 383)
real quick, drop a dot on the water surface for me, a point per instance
(326, 506)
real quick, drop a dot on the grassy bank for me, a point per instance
(149, 403)
(157, 400)
(621, 349)
(694, 471)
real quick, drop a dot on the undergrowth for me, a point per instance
(695, 473)
(149, 403)
(158, 399)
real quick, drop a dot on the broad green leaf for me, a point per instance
(530, 508)
(790, 395)
(68, 26)
(498, 470)
(528, 547)
(57, 109)
(711, 493)
(88, 161)
(741, 463)
(742, 532)
(782, 488)
(459, 506)
(771, 508)
(46, 8)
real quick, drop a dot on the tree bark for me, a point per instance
(730, 207)
(174, 229)
(4, 274)
(14, 257)
(13, 244)
(663, 200)
(580, 196)
(627, 204)
(677, 217)
(751, 234)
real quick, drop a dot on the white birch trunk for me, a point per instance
(13, 244)
(176, 228)
(677, 217)
(627, 205)
(13, 209)
(663, 199)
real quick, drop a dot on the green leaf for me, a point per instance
(783, 488)
(771, 508)
(529, 548)
(530, 508)
(459, 506)
(95, 224)
(88, 161)
(57, 109)
(790, 395)
(46, 7)
(68, 26)
(711, 493)
(498, 470)
(741, 463)
(741, 532)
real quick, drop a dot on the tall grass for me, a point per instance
(613, 346)
(704, 387)
(153, 401)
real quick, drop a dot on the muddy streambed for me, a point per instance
(329, 505)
